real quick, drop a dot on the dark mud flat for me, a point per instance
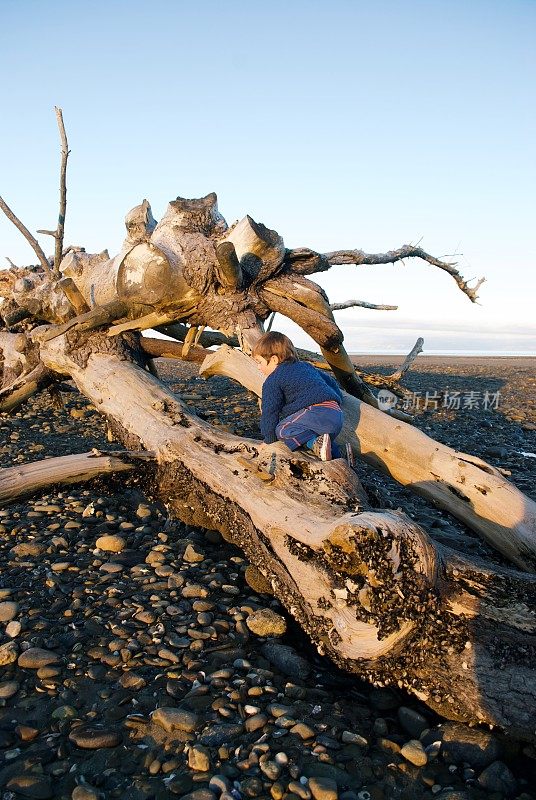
(146, 666)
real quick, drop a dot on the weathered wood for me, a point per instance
(260, 250)
(17, 393)
(308, 262)
(369, 587)
(26, 479)
(58, 234)
(362, 304)
(21, 372)
(229, 272)
(161, 348)
(32, 241)
(398, 374)
(466, 486)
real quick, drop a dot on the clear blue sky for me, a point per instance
(340, 124)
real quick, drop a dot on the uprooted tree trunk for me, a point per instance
(370, 588)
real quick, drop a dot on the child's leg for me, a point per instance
(308, 423)
(294, 431)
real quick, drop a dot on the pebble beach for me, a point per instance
(140, 658)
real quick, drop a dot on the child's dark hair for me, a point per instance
(275, 344)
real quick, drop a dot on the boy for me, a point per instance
(300, 404)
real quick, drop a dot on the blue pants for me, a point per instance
(308, 423)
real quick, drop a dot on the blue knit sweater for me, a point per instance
(291, 387)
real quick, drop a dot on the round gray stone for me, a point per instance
(36, 657)
(89, 738)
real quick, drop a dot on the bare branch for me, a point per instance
(63, 190)
(32, 241)
(305, 262)
(361, 304)
(408, 361)
(10, 262)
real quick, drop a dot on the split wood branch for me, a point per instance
(95, 318)
(26, 479)
(361, 304)
(32, 241)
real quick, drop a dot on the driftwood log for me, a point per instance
(26, 479)
(370, 588)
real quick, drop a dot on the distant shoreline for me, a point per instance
(425, 360)
(444, 355)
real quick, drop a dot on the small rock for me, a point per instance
(193, 554)
(27, 549)
(89, 738)
(36, 657)
(143, 511)
(286, 659)
(8, 610)
(8, 653)
(266, 622)
(303, 731)
(171, 719)
(323, 788)
(200, 794)
(194, 590)
(255, 722)
(460, 743)
(8, 689)
(353, 738)
(412, 722)
(180, 784)
(219, 784)
(26, 733)
(111, 543)
(64, 712)
(497, 778)
(199, 758)
(33, 786)
(414, 753)
(218, 735)
(85, 792)
(145, 616)
(13, 628)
